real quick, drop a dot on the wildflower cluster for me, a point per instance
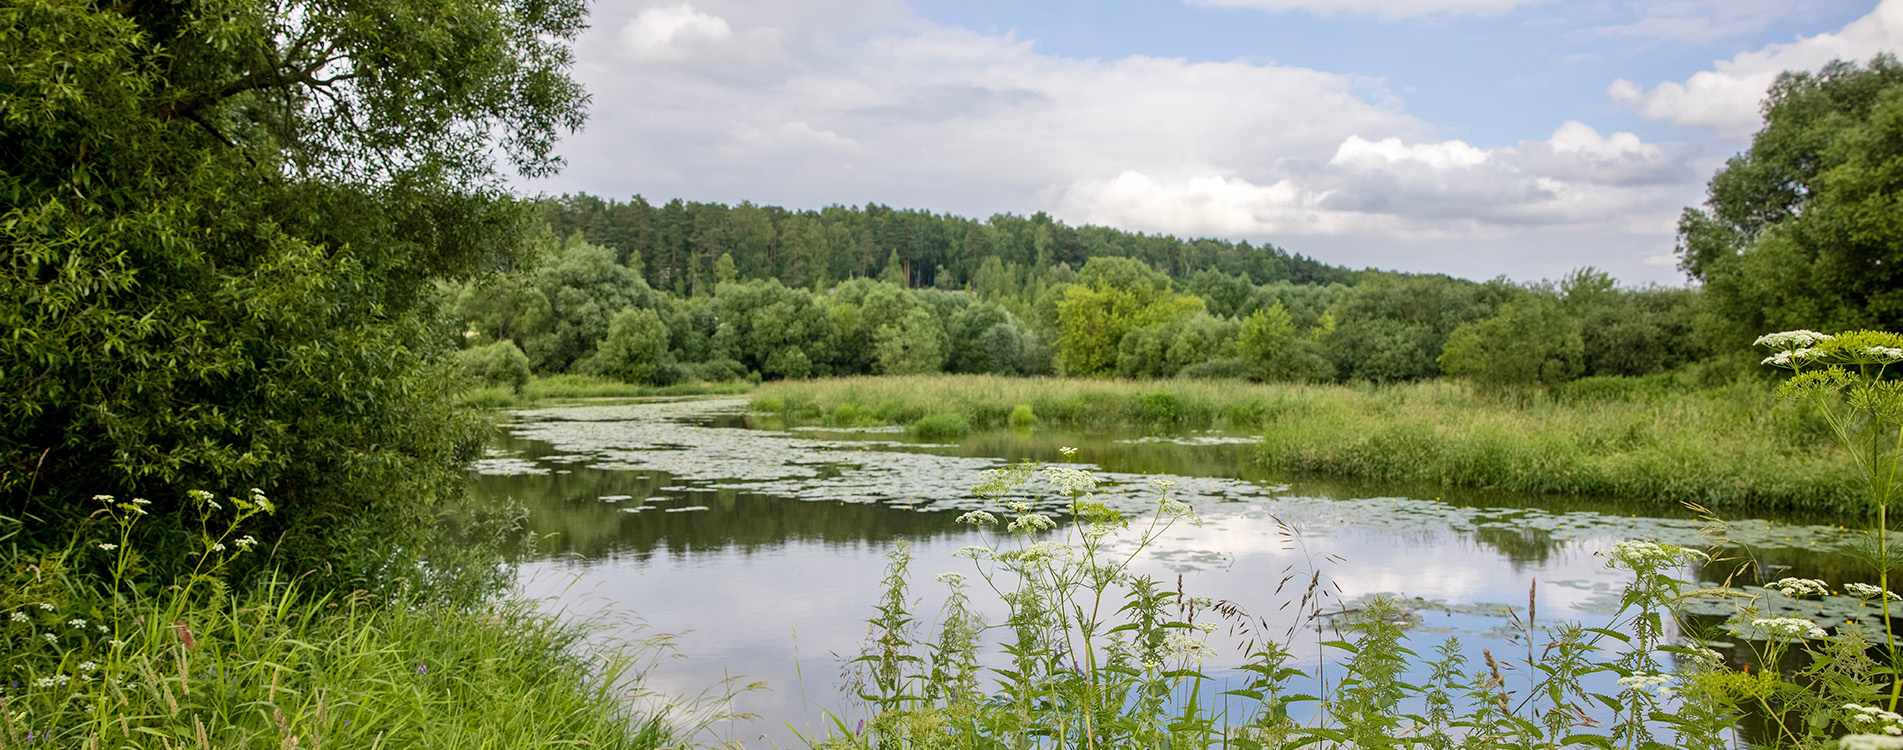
(1659, 684)
(1873, 719)
(1796, 587)
(1789, 627)
(1867, 591)
(1634, 555)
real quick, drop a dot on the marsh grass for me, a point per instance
(1735, 446)
(561, 387)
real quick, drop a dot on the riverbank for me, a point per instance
(542, 388)
(1734, 447)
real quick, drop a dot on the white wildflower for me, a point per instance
(1658, 683)
(1070, 481)
(1207, 627)
(103, 498)
(978, 518)
(21, 617)
(1789, 627)
(1634, 555)
(141, 501)
(50, 638)
(257, 496)
(246, 541)
(1162, 484)
(76, 622)
(1884, 353)
(108, 546)
(1873, 718)
(53, 681)
(1017, 506)
(1152, 665)
(199, 496)
(950, 579)
(102, 628)
(1032, 522)
(1867, 591)
(46, 606)
(973, 552)
(116, 643)
(1067, 451)
(1791, 339)
(1099, 530)
(1044, 551)
(86, 666)
(1187, 647)
(218, 546)
(1796, 587)
(1705, 655)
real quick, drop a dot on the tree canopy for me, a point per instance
(222, 219)
(1804, 229)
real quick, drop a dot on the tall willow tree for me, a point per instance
(220, 221)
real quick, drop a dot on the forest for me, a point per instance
(628, 291)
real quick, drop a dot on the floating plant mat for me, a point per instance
(664, 437)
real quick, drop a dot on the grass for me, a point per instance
(561, 387)
(1735, 446)
(280, 668)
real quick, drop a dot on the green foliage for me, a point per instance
(1392, 328)
(941, 425)
(500, 364)
(1022, 417)
(1800, 230)
(779, 332)
(222, 225)
(585, 288)
(1117, 296)
(635, 350)
(1531, 341)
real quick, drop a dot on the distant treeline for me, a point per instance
(703, 291)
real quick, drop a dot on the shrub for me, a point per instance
(498, 365)
(717, 370)
(941, 425)
(1022, 416)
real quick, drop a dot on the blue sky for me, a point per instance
(1473, 137)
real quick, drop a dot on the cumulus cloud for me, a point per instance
(1397, 190)
(676, 33)
(1725, 98)
(1386, 9)
(861, 102)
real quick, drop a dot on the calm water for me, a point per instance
(761, 546)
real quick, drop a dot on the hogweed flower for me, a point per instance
(20, 617)
(973, 551)
(107, 546)
(76, 622)
(246, 541)
(1162, 484)
(978, 518)
(86, 666)
(1661, 684)
(1070, 481)
(1864, 716)
(1789, 627)
(50, 638)
(1796, 587)
(1791, 339)
(48, 606)
(1867, 591)
(1187, 647)
(1032, 522)
(950, 579)
(1634, 555)
(1067, 451)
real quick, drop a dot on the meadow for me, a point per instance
(1735, 446)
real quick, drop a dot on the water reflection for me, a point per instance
(764, 544)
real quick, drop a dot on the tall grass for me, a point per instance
(97, 653)
(558, 387)
(1734, 446)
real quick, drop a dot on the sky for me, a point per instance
(1477, 138)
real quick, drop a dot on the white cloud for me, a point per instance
(1395, 190)
(1725, 98)
(1386, 9)
(1702, 21)
(865, 103)
(677, 33)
